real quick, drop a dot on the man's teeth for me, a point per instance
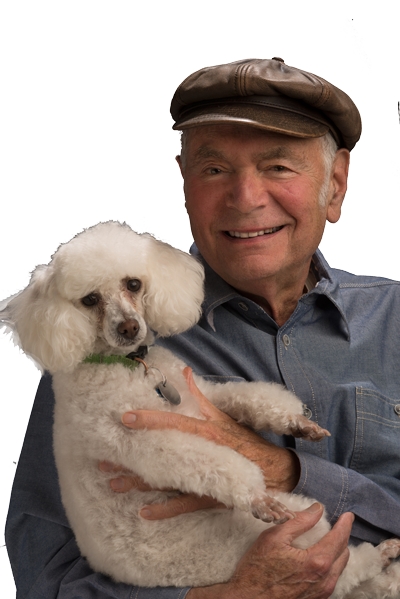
(253, 233)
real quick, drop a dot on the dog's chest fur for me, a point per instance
(87, 428)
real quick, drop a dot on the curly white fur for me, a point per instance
(105, 292)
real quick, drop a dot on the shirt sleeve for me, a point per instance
(44, 556)
(343, 490)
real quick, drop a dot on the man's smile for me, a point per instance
(247, 234)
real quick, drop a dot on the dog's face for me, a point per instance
(105, 291)
(117, 314)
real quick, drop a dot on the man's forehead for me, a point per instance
(213, 141)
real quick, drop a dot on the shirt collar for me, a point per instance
(216, 290)
(329, 285)
(321, 281)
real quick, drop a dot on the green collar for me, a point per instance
(100, 359)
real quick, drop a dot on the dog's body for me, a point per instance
(107, 527)
(104, 293)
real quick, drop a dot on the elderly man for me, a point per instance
(265, 154)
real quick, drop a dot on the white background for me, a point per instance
(85, 134)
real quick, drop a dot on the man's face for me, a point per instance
(253, 199)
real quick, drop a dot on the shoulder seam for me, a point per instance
(372, 284)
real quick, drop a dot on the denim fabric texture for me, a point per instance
(339, 352)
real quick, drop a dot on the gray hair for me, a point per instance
(329, 148)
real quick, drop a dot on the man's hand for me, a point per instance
(279, 466)
(274, 569)
(182, 504)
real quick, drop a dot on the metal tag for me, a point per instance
(169, 393)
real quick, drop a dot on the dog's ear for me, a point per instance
(174, 289)
(47, 326)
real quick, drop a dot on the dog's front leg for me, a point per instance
(191, 464)
(263, 406)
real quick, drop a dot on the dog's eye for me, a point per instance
(133, 284)
(90, 300)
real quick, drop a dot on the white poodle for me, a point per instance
(88, 318)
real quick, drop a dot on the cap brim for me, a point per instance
(263, 117)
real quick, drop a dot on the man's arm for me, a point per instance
(339, 489)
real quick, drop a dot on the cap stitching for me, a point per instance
(324, 94)
(244, 78)
(240, 79)
(235, 79)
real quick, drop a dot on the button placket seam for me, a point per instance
(287, 376)
(314, 411)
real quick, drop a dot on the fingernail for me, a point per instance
(128, 418)
(117, 484)
(315, 507)
(145, 512)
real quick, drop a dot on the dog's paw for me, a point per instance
(389, 550)
(300, 426)
(268, 509)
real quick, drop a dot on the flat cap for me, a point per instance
(266, 94)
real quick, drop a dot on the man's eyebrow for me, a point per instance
(204, 152)
(273, 153)
(280, 153)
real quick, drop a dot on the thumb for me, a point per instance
(208, 410)
(303, 521)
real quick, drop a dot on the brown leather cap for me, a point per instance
(267, 94)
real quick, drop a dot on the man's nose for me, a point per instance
(247, 193)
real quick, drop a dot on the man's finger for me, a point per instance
(123, 484)
(209, 411)
(126, 480)
(338, 537)
(334, 542)
(293, 528)
(110, 467)
(182, 504)
(165, 420)
(153, 419)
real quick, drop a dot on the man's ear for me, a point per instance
(340, 171)
(179, 161)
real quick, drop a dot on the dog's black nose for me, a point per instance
(128, 328)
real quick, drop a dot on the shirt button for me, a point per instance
(286, 340)
(397, 409)
(243, 306)
(307, 412)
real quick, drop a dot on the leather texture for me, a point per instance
(268, 94)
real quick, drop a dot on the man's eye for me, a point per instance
(213, 171)
(90, 300)
(133, 285)
(279, 168)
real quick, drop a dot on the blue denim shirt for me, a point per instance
(339, 352)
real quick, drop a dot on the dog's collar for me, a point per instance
(164, 389)
(141, 353)
(129, 361)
